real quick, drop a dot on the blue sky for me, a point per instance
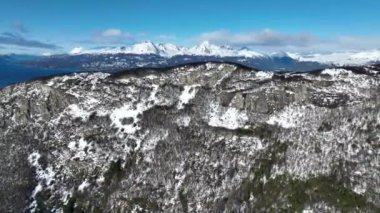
(54, 26)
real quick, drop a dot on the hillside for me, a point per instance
(207, 137)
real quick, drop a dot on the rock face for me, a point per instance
(197, 138)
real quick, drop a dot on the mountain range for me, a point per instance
(208, 49)
(170, 50)
(19, 68)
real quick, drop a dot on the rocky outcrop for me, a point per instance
(197, 138)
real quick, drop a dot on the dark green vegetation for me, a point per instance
(80, 201)
(184, 201)
(144, 204)
(263, 131)
(293, 195)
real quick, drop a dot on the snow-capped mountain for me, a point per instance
(170, 50)
(143, 48)
(208, 49)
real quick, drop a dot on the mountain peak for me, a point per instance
(208, 49)
(145, 47)
(76, 50)
(205, 44)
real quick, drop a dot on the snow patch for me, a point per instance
(44, 177)
(188, 93)
(335, 72)
(150, 143)
(81, 148)
(231, 118)
(288, 117)
(262, 75)
(132, 112)
(284, 120)
(83, 186)
(76, 112)
(183, 121)
(360, 189)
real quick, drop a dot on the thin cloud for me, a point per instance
(111, 36)
(359, 42)
(8, 38)
(265, 37)
(19, 27)
(166, 38)
(110, 33)
(270, 40)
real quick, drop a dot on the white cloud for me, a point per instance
(265, 37)
(269, 40)
(19, 27)
(165, 38)
(359, 42)
(112, 36)
(111, 32)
